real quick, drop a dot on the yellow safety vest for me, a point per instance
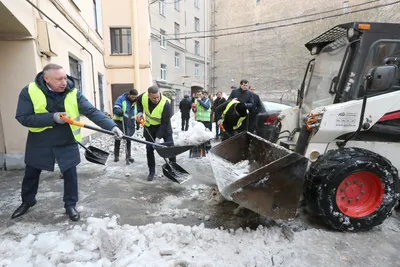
(203, 114)
(153, 118)
(241, 119)
(39, 102)
(119, 118)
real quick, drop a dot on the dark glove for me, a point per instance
(118, 112)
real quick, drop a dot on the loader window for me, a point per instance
(326, 68)
(383, 53)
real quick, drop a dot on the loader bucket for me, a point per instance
(259, 175)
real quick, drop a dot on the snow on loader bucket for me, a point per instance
(271, 182)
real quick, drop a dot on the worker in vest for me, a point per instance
(50, 139)
(203, 109)
(124, 117)
(234, 114)
(156, 110)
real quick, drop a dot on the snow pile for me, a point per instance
(104, 243)
(196, 135)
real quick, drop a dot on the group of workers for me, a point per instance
(51, 139)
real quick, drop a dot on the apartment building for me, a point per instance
(180, 53)
(126, 41)
(35, 33)
(265, 39)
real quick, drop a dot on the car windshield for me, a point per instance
(275, 106)
(326, 67)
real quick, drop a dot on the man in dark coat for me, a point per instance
(156, 110)
(217, 115)
(125, 117)
(258, 107)
(185, 106)
(243, 95)
(234, 114)
(50, 139)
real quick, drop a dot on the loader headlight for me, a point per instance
(314, 156)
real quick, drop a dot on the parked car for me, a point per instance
(265, 121)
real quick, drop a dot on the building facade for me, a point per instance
(179, 50)
(35, 33)
(263, 41)
(127, 46)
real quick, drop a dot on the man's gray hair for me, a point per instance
(153, 89)
(51, 66)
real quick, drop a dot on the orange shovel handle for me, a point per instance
(221, 127)
(71, 121)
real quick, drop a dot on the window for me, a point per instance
(177, 60)
(258, 1)
(197, 48)
(197, 70)
(100, 78)
(163, 72)
(197, 3)
(121, 42)
(346, 7)
(163, 41)
(75, 69)
(177, 31)
(177, 7)
(162, 7)
(196, 24)
(75, 2)
(97, 17)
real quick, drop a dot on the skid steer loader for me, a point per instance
(338, 148)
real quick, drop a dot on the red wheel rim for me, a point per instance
(360, 194)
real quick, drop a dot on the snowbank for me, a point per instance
(104, 243)
(196, 135)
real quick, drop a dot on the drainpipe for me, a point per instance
(83, 48)
(135, 41)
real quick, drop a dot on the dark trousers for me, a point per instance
(207, 124)
(117, 143)
(30, 185)
(252, 122)
(151, 161)
(216, 129)
(185, 123)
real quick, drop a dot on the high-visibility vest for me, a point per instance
(39, 102)
(241, 119)
(154, 117)
(124, 105)
(203, 114)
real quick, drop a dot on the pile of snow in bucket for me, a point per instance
(196, 134)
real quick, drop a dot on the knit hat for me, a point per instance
(241, 109)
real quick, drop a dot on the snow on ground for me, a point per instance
(196, 134)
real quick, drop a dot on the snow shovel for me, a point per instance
(259, 175)
(162, 150)
(95, 155)
(171, 169)
(223, 131)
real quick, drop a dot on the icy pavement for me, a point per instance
(127, 221)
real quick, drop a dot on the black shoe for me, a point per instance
(72, 213)
(131, 160)
(116, 159)
(22, 209)
(150, 177)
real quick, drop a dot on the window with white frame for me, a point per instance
(75, 69)
(163, 41)
(177, 31)
(197, 48)
(196, 24)
(163, 72)
(197, 3)
(197, 70)
(346, 7)
(177, 60)
(97, 17)
(162, 7)
(177, 6)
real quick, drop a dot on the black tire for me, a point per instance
(330, 170)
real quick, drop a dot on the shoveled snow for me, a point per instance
(196, 134)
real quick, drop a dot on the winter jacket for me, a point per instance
(165, 128)
(185, 105)
(258, 105)
(217, 102)
(243, 96)
(57, 143)
(231, 118)
(130, 113)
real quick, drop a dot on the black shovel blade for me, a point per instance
(96, 155)
(176, 173)
(171, 151)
